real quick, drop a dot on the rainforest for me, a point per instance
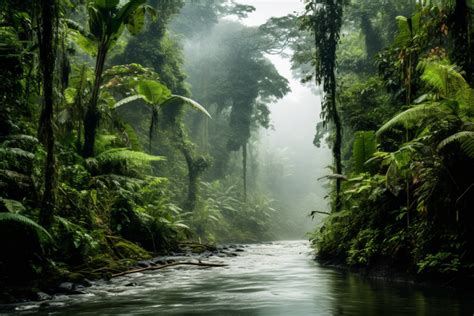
(237, 157)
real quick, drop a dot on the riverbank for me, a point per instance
(390, 273)
(76, 284)
(278, 278)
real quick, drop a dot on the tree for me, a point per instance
(240, 83)
(107, 20)
(156, 95)
(47, 50)
(324, 19)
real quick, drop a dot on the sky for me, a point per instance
(294, 119)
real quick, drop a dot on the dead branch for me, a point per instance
(151, 268)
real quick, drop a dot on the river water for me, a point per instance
(279, 278)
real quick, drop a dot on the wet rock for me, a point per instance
(66, 287)
(131, 284)
(143, 264)
(41, 296)
(77, 292)
(239, 250)
(87, 282)
(159, 261)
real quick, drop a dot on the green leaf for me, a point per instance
(12, 206)
(124, 14)
(187, 101)
(106, 4)
(88, 46)
(128, 100)
(362, 149)
(153, 92)
(136, 21)
(96, 25)
(7, 218)
(465, 139)
(413, 116)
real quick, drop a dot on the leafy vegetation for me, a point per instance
(408, 148)
(102, 164)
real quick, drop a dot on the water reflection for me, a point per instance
(267, 279)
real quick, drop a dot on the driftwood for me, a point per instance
(201, 264)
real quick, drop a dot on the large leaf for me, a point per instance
(136, 21)
(413, 116)
(124, 14)
(128, 100)
(444, 77)
(12, 206)
(188, 101)
(363, 148)
(106, 4)
(153, 91)
(407, 29)
(96, 23)
(465, 139)
(10, 218)
(86, 45)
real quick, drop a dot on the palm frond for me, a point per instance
(128, 100)
(413, 116)
(464, 138)
(187, 101)
(9, 218)
(444, 77)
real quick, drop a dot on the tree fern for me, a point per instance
(362, 149)
(465, 139)
(18, 219)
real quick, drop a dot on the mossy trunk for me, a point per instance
(92, 118)
(47, 49)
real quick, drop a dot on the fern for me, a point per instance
(12, 206)
(362, 149)
(20, 140)
(9, 218)
(465, 139)
(124, 154)
(443, 77)
(413, 116)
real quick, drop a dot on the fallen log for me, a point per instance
(150, 268)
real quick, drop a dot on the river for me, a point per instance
(278, 278)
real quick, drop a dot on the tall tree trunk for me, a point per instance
(46, 133)
(92, 118)
(337, 141)
(460, 22)
(373, 41)
(195, 168)
(244, 169)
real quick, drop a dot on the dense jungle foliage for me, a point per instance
(404, 98)
(102, 164)
(130, 128)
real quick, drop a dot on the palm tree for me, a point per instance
(107, 20)
(156, 95)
